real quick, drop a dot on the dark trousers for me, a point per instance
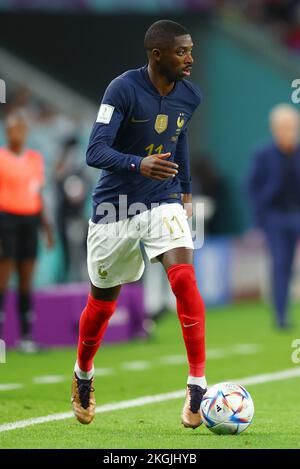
(282, 237)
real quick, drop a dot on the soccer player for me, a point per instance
(139, 140)
(21, 213)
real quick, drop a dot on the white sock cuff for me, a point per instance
(198, 380)
(83, 374)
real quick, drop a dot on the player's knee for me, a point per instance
(105, 308)
(96, 315)
(182, 279)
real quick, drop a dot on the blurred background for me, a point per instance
(58, 57)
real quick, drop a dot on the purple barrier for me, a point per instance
(58, 309)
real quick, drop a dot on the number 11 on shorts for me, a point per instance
(174, 227)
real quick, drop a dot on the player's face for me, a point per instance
(176, 61)
(16, 133)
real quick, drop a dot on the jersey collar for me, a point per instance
(145, 75)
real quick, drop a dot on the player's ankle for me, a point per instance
(81, 374)
(198, 380)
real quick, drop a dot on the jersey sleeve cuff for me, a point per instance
(134, 163)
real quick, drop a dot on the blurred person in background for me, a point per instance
(21, 214)
(72, 187)
(22, 98)
(274, 190)
(209, 189)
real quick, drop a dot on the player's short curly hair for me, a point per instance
(162, 34)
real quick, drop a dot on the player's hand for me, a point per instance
(156, 167)
(187, 204)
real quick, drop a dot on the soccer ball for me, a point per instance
(227, 408)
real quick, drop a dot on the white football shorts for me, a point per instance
(114, 255)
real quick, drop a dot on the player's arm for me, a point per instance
(184, 172)
(100, 154)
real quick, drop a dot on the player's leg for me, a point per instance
(94, 320)
(25, 271)
(291, 243)
(112, 261)
(101, 305)
(7, 256)
(282, 245)
(170, 242)
(6, 268)
(178, 264)
(282, 248)
(27, 228)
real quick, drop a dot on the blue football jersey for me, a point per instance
(135, 121)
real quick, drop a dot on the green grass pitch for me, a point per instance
(241, 343)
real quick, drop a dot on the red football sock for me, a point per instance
(93, 323)
(191, 313)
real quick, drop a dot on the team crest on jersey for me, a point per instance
(102, 272)
(161, 123)
(179, 123)
(180, 120)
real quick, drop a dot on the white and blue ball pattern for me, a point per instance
(227, 408)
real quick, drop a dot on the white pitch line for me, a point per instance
(276, 376)
(48, 379)
(256, 379)
(243, 349)
(215, 353)
(173, 360)
(10, 387)
(103, 371)
(136, 366)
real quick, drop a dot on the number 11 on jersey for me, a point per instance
(153, 151)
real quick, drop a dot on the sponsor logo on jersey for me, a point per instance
(136, 121)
